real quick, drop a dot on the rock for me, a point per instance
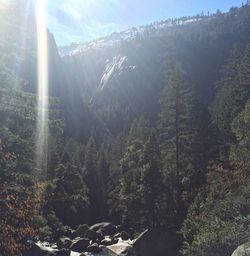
(80, 245)
(93, 235)
(157, 242)
(125, 235)
(123, 248)
(107, 241)
(115, 240)
(64, 242)
(127, 229)
(94, 248)
(242, 250)
(67, 231)
(117, 235)
(63, 252)
(80, 231)
(38, 249)
(104, 228)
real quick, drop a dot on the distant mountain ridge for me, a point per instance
(124, 73)
(156, 28)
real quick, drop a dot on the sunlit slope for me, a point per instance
(124, 73)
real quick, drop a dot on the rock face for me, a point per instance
(157, 242)
(242, 250)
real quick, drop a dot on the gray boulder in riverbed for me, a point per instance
(64, 242)
(80, 231)
(242, 250)
(80, 245)
(94, 248)
(38, 249)
(104, 228)
(93, 235)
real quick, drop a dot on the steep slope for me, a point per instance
(123, 74)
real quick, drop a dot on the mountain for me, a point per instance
(124, 72)
(148, 129)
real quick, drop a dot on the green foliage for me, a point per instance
(240, 125)
(68, 196)
(44, 231)
(130, 191)
(181, 144)
(218, 219)
(155, 198)
(230, 97)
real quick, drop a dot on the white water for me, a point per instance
(113, 250)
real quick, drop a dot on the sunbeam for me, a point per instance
(43, 83)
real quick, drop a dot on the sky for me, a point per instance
(84, 20)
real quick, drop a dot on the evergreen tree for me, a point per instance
(91, 178)
(103, 178)
(69, 195)
(177, 131)
(130, 191)
(152, 181)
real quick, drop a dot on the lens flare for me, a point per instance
(43, 83)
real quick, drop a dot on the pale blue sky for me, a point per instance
(83, 20)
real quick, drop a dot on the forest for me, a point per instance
(150, 132)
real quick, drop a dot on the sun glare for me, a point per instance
(43, 83)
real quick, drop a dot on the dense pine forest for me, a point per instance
(147, 132)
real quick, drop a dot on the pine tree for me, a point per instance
(152, 181)
(130, 191)
(91, 179)
(177, 130)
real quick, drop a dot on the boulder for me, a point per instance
(67, 231)
(94, 248)
(242, 250)
(122, 248)
(125, 235)
(80, 231)
(117, 235)
(80, 245)
(93, 235)
(107, 241)
(157, 242)
(63, 252)
(104, 228)
(126, 228)
(38, 249)
(64, 242)
(115, 240)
